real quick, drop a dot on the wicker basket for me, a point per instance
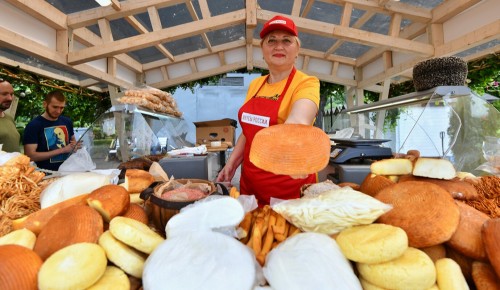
(161, 210)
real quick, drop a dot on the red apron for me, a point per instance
(255, 115)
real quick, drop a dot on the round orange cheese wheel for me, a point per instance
(19, 267)
(291, 149)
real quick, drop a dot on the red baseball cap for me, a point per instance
(279, 23)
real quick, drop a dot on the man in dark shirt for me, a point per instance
(49, 138)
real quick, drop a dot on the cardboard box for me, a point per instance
(216, 130)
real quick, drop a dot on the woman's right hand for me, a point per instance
(226, 174)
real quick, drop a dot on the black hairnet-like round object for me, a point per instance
(442, 71)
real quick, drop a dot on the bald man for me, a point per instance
(9, 136)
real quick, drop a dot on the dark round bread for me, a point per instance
(441, 71)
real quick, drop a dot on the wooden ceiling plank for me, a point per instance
(409, 11)
(29, 47)
(129, 7)
(344, 21)
(192, 63)
(447, 9)
(164, 73)
(222, 58)
(205, 12)
(88, 82)
(154, 17)
(136, 24)
(115, 4)
(156, 37)
(42, 11)
(408, 32)
(199, 75)
(305, 64)
(105, 30)
(88, 38)
(474, 38)
(307, 8)
(249, 57)
(296, 7)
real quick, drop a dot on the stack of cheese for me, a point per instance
(152, 99)
(385, 261)
(431, 204)
(98, 239)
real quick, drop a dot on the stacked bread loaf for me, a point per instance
(153, 99)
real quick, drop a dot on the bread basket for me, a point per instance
(161, 210)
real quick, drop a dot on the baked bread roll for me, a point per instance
(373, 243)
(374, 183)
(467, 238)
(72, 225)
(109, 200)
(458, 189)
(425, 211)
(434, 168)
(392, 166)
(126, 258)
(136, 180)
(135, 234)
(291, 149)
(37, 220)
(435, 252)
(449, 275)
(491, 238)
(77, 266)
(412, 270)
(484, 276)
(21, 237)
(137, 213)
(19, 267)
(113, 278)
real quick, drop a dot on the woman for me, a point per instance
(286, 95)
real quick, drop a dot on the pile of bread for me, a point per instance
(96, 240)
(153, 99)
(431, 210)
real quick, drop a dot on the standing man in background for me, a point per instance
(49, 138)
(9, 136)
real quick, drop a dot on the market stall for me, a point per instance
(415, 208)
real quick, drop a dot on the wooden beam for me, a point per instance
(344, 21)
(115, 4)
(198, 75)
(249, 57)
(205, 13)
(412, 12)
(88, 82)
(156, 37)
(408, 32)
(307, 8)
(27, 46)
(448, 9)
(305, 64)
(157, 26)
(474, 38)
(42, 11)
(130, 7)
(390, 73)
(88, 38)
(295, 8)
(436, 34)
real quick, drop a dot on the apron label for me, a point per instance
(261, 121)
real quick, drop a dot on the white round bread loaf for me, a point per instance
(21, 237)
(392, 166)
(449, 275)
(373, 243)
(412, 270)
(369, 286)
(127, 258)
(77, 266)
(434, 168)
(113, 278)
(135, 234)
(19, 267)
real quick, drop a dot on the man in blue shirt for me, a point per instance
(49, 138)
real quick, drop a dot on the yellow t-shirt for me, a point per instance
(302, 87)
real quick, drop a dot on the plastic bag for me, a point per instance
(491, 152)
(80, 161)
